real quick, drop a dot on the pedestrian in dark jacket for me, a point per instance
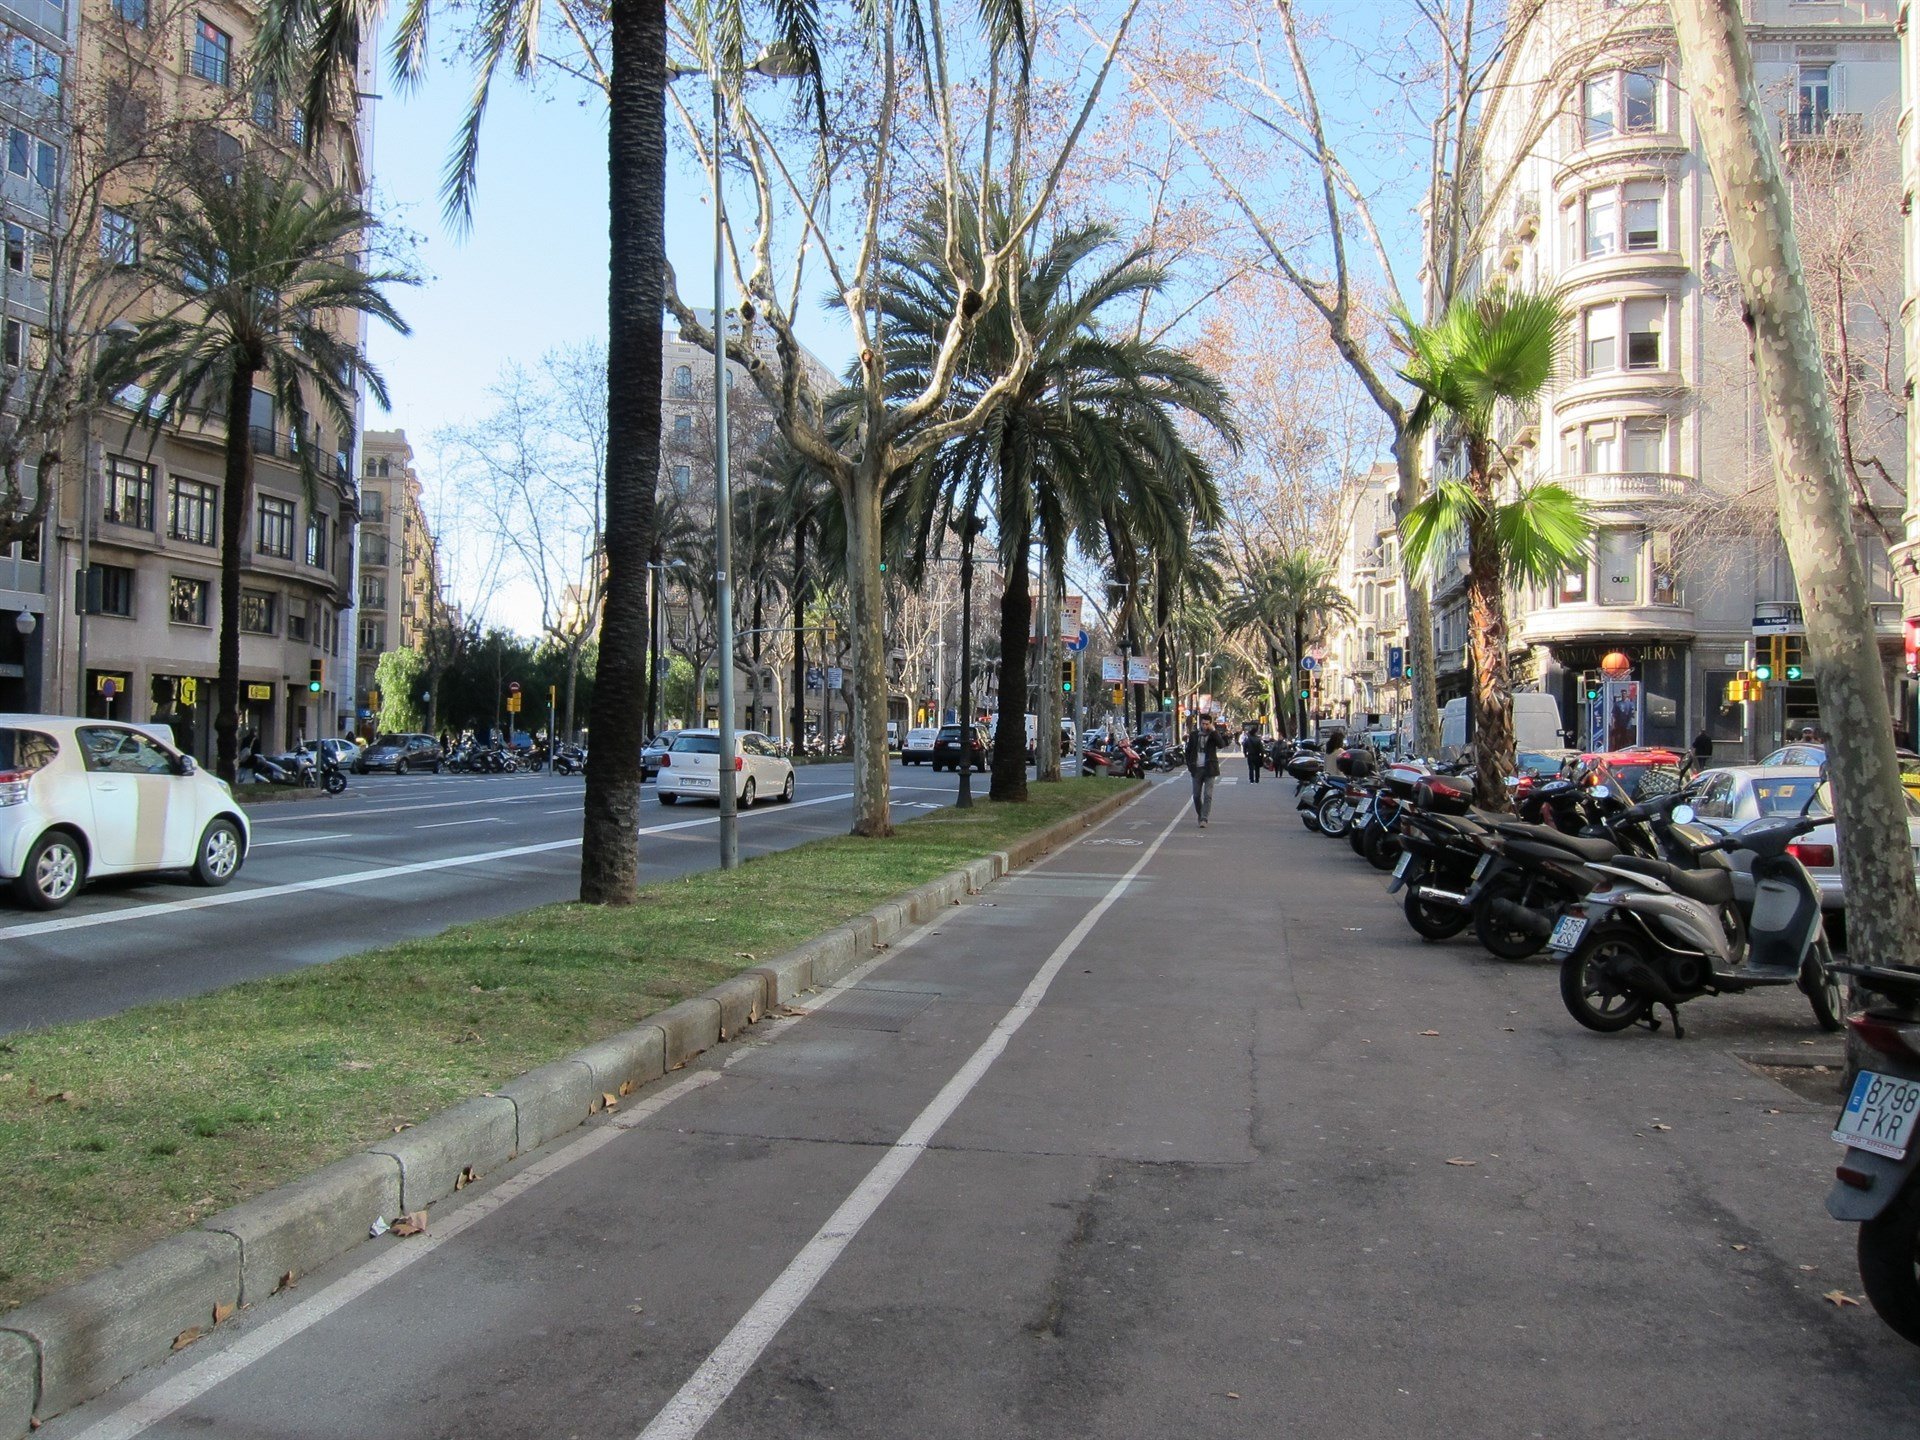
(1254, 746)
(1203, 767)
(1702, 749)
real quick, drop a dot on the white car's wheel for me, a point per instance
(54, 871)
(786, 790)
(218, 859)
(747, 795)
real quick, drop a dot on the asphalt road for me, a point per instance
(1219, 1150)
(390, 859)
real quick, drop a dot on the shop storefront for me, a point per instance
(1644, 702)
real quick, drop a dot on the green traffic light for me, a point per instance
(1763, 672)
(1794, 672)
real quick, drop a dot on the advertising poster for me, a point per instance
(1623, 713)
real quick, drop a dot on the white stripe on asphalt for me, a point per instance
(394, 809)
(684, 1416)
(297, 840)
(183, 1389)
(470, 820)
(333, 882)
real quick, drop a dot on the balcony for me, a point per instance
(1812, 131)
(1585, 622)
(1615, 487)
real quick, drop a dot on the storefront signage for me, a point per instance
(188, 690)
(259, 692)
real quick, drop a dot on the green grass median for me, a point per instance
(115, 1133)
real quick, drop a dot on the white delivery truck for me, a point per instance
(1536, 724)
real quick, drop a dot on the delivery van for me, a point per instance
(1536, 724)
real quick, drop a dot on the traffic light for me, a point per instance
(1407, 671)
(1119, 696)
(1305, 690)
(1592, 683)
(1066, 677)
(316, 676)
(1794, 668)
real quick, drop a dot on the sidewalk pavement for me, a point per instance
(1173, 1156)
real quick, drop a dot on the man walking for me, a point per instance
(1254, 746)
(1203, 765)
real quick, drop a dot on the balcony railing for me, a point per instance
(1805, 125)
(1626, 485)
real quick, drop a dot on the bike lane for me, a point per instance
(1205, 1183)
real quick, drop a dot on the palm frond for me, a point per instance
(1541, 533)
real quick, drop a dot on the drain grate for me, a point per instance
(874, 1009)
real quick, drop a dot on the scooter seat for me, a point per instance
(1710, 887)
(1577, 845)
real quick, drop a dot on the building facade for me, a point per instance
(133, 544)
(1599, 189)
(1360, 670)
(397, 588)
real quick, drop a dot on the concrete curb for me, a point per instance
(73, 1344)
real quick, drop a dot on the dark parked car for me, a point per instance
(400, 753)
(650, 754)
(948, 744)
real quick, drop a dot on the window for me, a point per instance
(193, 512)
(212, 52)
(256, 612)
(16, 248)
(373, 636)
(266, 110)
(296, 619)
(1602, 223)
(110, 589)
(1660, 568)
(132, 12)
(214, 146)
(297, 126)
(187, 600)
(373, 506)
(129, 499)
(1599, 452)
(1599, 325)
(1816, 99)
(682, 479)
(1644, 321)
(119, 237)
(1646, 450)
(317, 541)
(683, 380)
(374, 551)
(373, 592)
(276, 527)
(683, 430)
(126, 119)
(27, 62)
(21, 345)
(1644, 199)
(1619, 559)
(1640, 96)
(32, 158)
(122, 752)
(1596, 106)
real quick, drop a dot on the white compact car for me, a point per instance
(81, 798)
(691, 768)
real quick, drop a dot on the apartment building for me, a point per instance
(1598, 187)
(399, 576)
(1361, 665)
(132, 553)
(1906, 556)
(36, 49)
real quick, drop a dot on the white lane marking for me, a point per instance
(183, 1389)
(352, 877)
(684, 1416)
(470, 820)
(351, 811)
(298, 840)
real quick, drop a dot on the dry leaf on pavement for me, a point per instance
(1739, 1247)
(1462, 1162)
(626, 1087)
(413, 1223)
(1429, 1032)
(221, 1312)
(465, 1178)
(1840, 1299)
(610, 1099)
(1658, 1126)
(286, 1281)
(186, 1337)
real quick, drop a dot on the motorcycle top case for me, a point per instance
(1401, 781)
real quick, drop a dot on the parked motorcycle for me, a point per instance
(1876, 1185)
(569, 760)
(296, 772)
(1652, 933)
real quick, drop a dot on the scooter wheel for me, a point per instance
(1593, 999)
(1431, 921)
(1383, 848)
(1311, 819)
(1357, 837)
(1889, 1253)
(1500, 939)
(1336, 816)
(336, 783)
(1822, 989)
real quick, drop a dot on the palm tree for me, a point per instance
(1497, 350)
(313, 47)
(1090, 435)
(255, 272)
(1287, 598)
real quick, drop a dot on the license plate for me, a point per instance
(1481, 868)
(696, 782)
(1567, 932)
(1400, 865)
(1880, 1115)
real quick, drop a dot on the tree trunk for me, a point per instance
(1816, 518)
(1492, 698)
(867, 702)
(1423, 695)
(1010, 739)
(573, 689)
(1162, 608)
(653, 685)
(1046, 723)
(236, 508)
(759, 637)
(1299, 678)
(799, 721)
(637, 238)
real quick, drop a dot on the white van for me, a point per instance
(1536, 724)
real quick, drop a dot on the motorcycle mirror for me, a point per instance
(1682, 814)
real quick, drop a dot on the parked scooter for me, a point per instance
(1877, 1185)
(569, 760)
(1652, 933)
(295, 772)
